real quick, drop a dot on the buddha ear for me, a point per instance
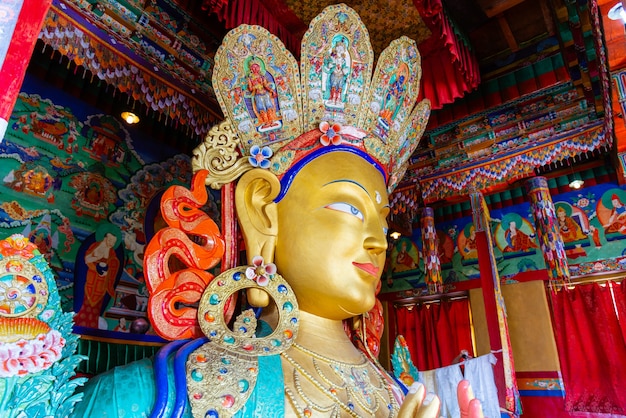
(258, 218)
(257, 212)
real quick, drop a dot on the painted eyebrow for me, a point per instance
(348, 181)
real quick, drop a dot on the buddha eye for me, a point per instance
(347, 208)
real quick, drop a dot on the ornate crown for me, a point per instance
(279, 117)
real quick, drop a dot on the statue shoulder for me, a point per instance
(127, 390)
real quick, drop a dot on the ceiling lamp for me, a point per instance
(130, 117)
(395, 235)
(576, 182)
(617, 12)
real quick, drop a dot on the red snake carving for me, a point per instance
(191, 239)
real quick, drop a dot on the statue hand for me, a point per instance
(470, 406)
(418, 404)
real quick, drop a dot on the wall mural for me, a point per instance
(87, 192)
(592, 223)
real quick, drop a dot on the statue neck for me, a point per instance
(326, 337)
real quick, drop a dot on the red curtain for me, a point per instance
(435, 332)
(592, 347)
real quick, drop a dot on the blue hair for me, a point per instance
(290, 174)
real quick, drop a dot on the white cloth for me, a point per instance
(429, 380)
(479, 372)
(447, 380)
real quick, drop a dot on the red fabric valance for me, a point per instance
(273, 15)
(450, 69)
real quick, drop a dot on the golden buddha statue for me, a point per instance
(311, 202)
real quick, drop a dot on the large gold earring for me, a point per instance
(211, 318)
(222, 373)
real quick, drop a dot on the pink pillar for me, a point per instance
(548, 233)
(14, 59)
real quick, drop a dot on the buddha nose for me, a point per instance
(376, 241)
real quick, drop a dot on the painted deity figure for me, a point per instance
(102, 268)
(393, 96)
(470, 249)
(617, 218)
(570, 232)
(569, 229)
(337, 68)
(404, 260)
(517, 240)
(263, 95)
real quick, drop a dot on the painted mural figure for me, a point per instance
(569, 228)
(102, 269)
(337, 68)
(263, 95)
(517, 240)
(571, 232)
(93, 194)
(617, 219)
(394, 95)
(406, 256)
(470, 250)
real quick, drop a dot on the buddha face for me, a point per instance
(332, 235)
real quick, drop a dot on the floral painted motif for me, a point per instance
(260, 272)
(17, 245)
(30, 356)
(260, 157)
(330, 133)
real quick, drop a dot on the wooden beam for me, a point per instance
(547, 17)
(495, 7)
(508, 34)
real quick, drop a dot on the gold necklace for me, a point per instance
(356, 383)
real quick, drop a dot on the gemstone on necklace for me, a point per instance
(197, 375)
(243, 385)
(228, 401)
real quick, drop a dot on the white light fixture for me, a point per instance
(617, 12)
(395, 235)
(577, 182)
(130, 117)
